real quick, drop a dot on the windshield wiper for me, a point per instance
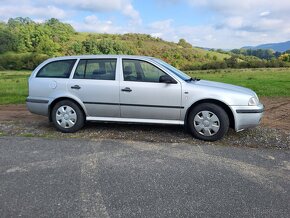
(192, 79)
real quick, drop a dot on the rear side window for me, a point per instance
(99, 69)
(57, 69)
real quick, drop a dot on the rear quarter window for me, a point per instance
(57, 69)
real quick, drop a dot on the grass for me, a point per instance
(266, 82)
(13, 86)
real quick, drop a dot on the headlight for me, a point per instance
(253, 101)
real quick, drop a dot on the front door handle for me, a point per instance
(76, 87)
(127, 89)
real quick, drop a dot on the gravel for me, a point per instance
(258, 137)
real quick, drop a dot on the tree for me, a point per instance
(184, 43)
(285, 57)
(232, 62)
(18, 21)
(7, 41)
(47, 46)
(60, 32)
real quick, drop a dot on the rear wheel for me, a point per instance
(67, 116)
(208, 122)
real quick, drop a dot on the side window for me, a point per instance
(141, 71)
(57, 69)
(99, 69)
(151, 73)
(130, 71)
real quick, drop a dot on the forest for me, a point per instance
(25, 43)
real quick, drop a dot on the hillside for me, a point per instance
(25, 43)
(178, 54)
(22, 39)
(280, 47)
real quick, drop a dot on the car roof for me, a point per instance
(101, 56)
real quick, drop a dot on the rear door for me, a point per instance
(95, 83)
(143, 96)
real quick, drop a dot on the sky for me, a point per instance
(225, 24)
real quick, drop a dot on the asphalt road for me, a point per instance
(82, 178)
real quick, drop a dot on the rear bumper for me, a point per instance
(37, 106)
(247, 116)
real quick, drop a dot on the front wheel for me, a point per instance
(208, 122)
(67, 116)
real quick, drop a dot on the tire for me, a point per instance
(208, 122)
(67, 116)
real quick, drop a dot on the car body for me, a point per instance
(137, 89)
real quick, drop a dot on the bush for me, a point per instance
(23, 61)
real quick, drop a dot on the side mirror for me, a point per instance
(167, 79)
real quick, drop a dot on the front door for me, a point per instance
(94, 83)
(143, 96)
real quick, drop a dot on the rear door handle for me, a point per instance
(127, 89)
(76, 87)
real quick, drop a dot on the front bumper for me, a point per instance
(247, 116)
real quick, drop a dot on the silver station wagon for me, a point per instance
(136, 89)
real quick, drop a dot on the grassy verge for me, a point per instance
(266, 82)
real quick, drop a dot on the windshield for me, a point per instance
(172, 69)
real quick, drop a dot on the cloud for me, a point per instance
(64, 8)
(248, 14)
(31, 11)
(162, 29)
(225, 24)
(92, 5)
(123, 6)
(243, 7)
(93, 24)
(264, 13)
(162, 24)
(234, 22)
(234, 32)
(129, 11)
(247, 21)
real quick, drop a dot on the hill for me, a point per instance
(280, 47)
(25, 43)
(179, 54)
(22, 40)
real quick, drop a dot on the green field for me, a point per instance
(13, 86)
(266, 82)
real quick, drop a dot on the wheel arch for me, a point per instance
(213, 101)
(55, 101)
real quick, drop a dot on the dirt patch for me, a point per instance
(15, 120)
(18, 112)
(277, 113)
